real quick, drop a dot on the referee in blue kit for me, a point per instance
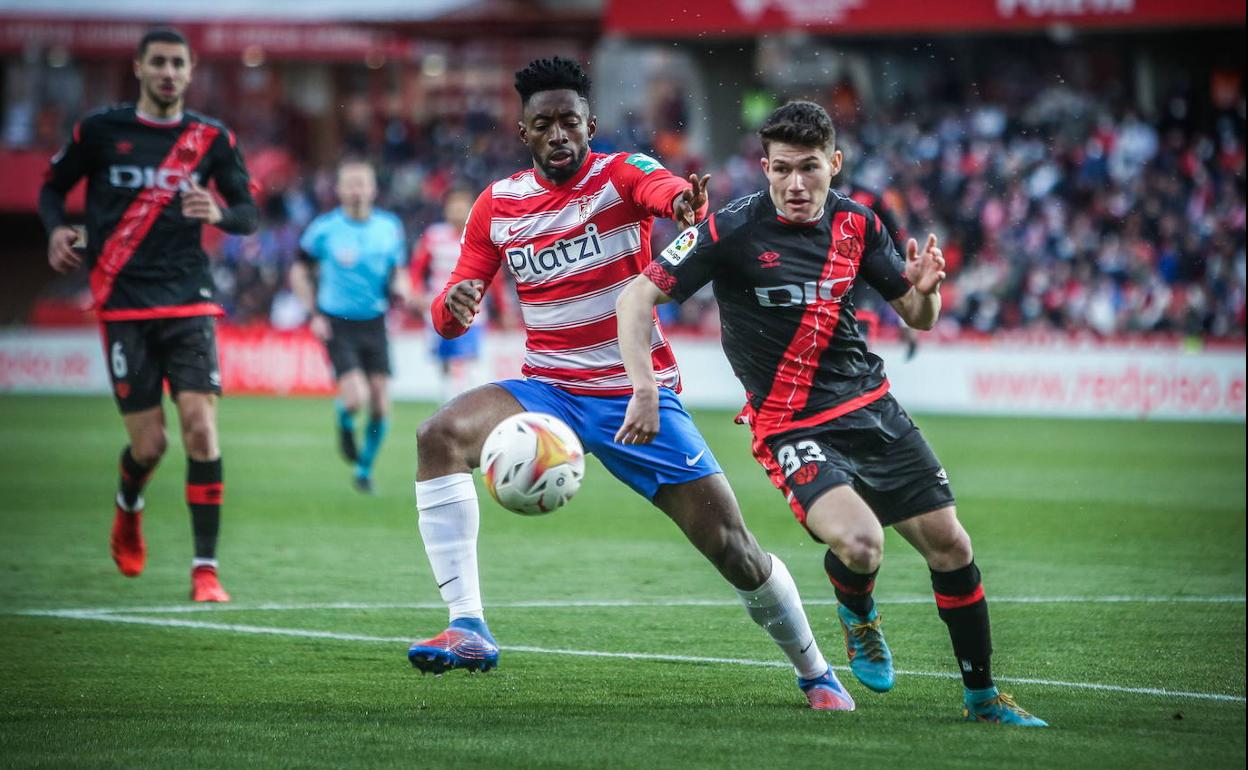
(347, 273)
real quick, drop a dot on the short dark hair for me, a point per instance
(804, 124)
(551, 75)
(161, 35)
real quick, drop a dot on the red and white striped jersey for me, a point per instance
(572, 249)
(433, 261)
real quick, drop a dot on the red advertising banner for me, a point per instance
(276, 40)
(264, 360)
(742, 18)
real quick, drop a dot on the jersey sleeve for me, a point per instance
(881, 265)
(234, 183)
(310, 241)
(70, 164)
(687, 264)
(650, 187)
(418, 265)
(478, 260)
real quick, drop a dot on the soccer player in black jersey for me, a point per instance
(847, 456)
(147, 166)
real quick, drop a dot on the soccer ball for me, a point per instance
(532, 463)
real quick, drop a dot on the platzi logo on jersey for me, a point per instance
(135, 177)
(808, 293)
(528, 264)
(643, 162)
(680, 248)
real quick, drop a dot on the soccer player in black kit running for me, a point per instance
(147, 165)
(846, 455)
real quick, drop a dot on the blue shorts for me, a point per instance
(677, 455)
(466, 345)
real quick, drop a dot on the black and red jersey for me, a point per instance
(146, 259)
(787, 320)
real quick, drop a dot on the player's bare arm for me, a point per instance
(686, 205)
(61, 254)
(303, 284)
(464, 300)
(634, 310)
(925, 270)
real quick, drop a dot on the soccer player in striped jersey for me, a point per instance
(848, 458)
(574, 230)
(146, 165)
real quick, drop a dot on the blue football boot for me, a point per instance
(826, 693)
(466, 644)
(869, 658)
(990, 705)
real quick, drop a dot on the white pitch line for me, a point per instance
(335, 635)
(622, 603)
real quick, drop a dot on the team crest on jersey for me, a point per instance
(676, 252)
(584, 207)
(643, 162)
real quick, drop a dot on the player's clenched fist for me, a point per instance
(198, 203)
(464, 300)
(61, 254)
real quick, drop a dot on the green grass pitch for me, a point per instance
(1143, 521)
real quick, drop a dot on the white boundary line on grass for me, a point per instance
(113, 617)
(178, 609)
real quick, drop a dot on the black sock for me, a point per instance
(204, 492)
(853, 589)
(961, 604)
(133, 477)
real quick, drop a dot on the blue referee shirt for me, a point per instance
(355, 259)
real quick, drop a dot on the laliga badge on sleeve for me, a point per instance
(676, 252)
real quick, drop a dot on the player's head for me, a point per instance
(356, 187)
(555, 123)
(162, 65)
(800, 158)
(456, 207)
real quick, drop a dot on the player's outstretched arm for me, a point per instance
(920, 307)
(634, 312)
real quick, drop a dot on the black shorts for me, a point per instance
(143, 355)
(358, 345)
(877, 449)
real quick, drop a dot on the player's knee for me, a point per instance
(443, 439)
(199, 436)
(861, 552)
(150, 446)
(951, 552)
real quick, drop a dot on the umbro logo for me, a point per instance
(769, 259)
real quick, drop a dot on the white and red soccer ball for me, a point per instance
(532, 463)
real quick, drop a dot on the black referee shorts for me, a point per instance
(877, 449)
(358, 345)
(143, 355)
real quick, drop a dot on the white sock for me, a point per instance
(198, 562)
(449, 521)
(777, 607)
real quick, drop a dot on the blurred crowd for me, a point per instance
(1061, 213)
